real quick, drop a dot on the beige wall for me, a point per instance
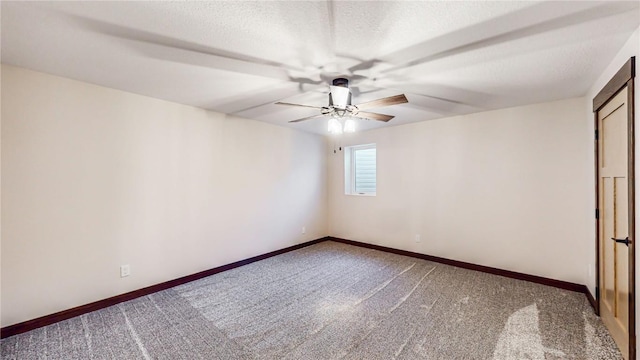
(503, 188)
(93, 178)
(631, 48)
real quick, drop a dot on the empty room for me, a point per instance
(318, 179)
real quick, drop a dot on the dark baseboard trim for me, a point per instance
(101, 304)
(592, 301)
(506, 273)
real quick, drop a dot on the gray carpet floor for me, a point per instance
(333, 301)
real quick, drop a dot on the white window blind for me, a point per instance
(360, 170)
(365, 171)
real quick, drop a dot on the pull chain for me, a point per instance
(338, 143)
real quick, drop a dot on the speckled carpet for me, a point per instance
(333, 301)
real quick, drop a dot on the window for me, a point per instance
(360, 169)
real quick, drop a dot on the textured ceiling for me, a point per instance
(240, 57)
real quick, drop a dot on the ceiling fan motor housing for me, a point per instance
(340, 96)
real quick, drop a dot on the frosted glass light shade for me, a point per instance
(334, 126)
(349, 126)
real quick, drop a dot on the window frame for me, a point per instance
(349, 168)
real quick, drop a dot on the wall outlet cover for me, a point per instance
(125, 270)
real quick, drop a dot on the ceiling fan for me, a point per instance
(340, 106)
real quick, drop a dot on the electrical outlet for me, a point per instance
(418, 238)
(304, 229)
(125, 270)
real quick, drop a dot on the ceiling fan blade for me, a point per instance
(364, 65)
(156, 45)
(391, 100)
(374, 116)
(290, 104)
(307, 118)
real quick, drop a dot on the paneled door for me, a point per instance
(613, 227)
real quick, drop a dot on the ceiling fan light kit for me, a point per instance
(339, 126)
(343, 112)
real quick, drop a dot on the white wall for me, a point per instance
(631, 48)
(93, 178)
(503, 188)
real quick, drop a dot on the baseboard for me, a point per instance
(592, 301)
(506, 273)
(101, 304)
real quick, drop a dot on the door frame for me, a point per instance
(624, 77)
